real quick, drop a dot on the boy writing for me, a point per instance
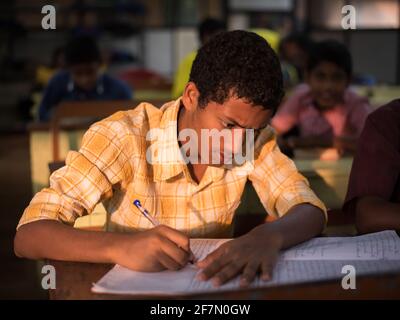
(235, 85)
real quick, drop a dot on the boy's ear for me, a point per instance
(190, 96)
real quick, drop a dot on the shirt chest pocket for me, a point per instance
(144, 191)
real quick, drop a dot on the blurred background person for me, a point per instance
(82, 80)
(373, 194)
(325, 112)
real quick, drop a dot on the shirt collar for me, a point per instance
(169, 160)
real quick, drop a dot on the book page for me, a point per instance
(319, 259)
(123, 281)
(380, 245)
(202, 247)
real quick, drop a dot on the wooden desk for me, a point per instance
(74, 281)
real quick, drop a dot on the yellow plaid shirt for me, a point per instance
(111, 168)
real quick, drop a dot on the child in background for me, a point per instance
(373, 194)
(82, 80)
(324, 110)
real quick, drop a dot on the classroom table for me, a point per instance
(74, 279)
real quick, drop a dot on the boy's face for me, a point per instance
(234, 116)
(328, 83)
(85, 75)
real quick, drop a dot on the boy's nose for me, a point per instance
(238, 137)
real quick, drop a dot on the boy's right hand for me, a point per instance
(152, 250)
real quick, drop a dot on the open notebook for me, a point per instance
(315, 260)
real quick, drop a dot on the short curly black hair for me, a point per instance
(82, 49)
(238, 63)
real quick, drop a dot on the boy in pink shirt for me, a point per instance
(324, 110)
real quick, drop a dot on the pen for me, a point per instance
(153, 220)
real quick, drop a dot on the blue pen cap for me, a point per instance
(137, 203)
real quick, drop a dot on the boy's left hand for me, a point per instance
(247, 255)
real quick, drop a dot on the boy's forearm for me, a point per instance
(301, 223)
(376, 214)
(47, 239)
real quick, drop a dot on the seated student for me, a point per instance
(373, 195)
(83, 79)
(325, 112)
(235, 84)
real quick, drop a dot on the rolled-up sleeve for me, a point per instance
(278, 183)
(85, 180)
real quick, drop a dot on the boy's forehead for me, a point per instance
(244, 113)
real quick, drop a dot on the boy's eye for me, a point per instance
(228, 125)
